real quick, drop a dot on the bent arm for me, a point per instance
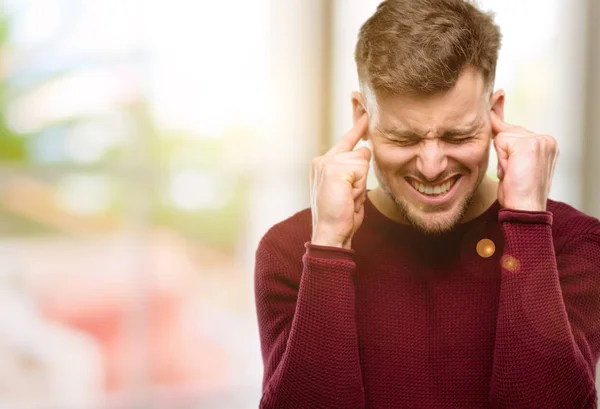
(547, 329)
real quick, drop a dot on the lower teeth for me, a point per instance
(436, 194)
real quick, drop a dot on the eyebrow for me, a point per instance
(403, 133)
(462, 130)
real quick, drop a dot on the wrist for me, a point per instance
(526, 206)
(331, 241)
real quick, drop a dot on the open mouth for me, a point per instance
(438, 190)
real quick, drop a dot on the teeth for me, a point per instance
(433, 190)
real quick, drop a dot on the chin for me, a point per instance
(426, 219)
(435, 223)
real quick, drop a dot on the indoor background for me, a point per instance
(147, 145)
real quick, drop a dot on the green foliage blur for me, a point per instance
(12, 147)
(153, 152)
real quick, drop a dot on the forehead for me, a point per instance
(463, 104)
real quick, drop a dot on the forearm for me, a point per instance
(320, 365)
(537, 361)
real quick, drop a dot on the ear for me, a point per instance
(497, 103)
(358, 109)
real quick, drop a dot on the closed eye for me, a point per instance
(404, 142)
(401, 140)
(458, 141)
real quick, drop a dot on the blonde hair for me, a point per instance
(421, 46)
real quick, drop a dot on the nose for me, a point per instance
(431, 160)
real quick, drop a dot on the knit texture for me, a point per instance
(405, 320)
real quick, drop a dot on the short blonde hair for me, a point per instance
(421, 46)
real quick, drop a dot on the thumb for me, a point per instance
(498, 125)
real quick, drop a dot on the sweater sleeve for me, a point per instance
(547, 332)
(308, 331)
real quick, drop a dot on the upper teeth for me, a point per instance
(433, 189)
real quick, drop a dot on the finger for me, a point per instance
(363, 198)
(502, 153)
(358, 217)
(500, 172)
(360, 202)
(359, 187)
(552, 168)
(364, 152)
(359, 191)
(357, 196)
(350, 164)
(515, 133)
(498, 125)
(500, 195)
(348, 172)
(349, 141)
(554, 160)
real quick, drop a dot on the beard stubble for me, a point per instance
(422, 221)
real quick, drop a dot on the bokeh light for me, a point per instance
(145, 148)
(486, 248)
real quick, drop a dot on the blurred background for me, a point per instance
(147, 145)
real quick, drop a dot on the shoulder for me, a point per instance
(569, 223)
(285, 240)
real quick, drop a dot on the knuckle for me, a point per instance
(517, 129)
(329, 170)
(320, 161)
(551, 142)
(316, 163)
(535, 142)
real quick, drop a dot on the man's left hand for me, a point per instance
(526, 164)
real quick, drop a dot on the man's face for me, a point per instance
(431, 153)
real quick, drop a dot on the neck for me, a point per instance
(484, 197)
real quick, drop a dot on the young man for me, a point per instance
(441, 288)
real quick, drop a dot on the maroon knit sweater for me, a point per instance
(405, 320)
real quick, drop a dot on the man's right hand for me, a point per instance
(338, 183)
